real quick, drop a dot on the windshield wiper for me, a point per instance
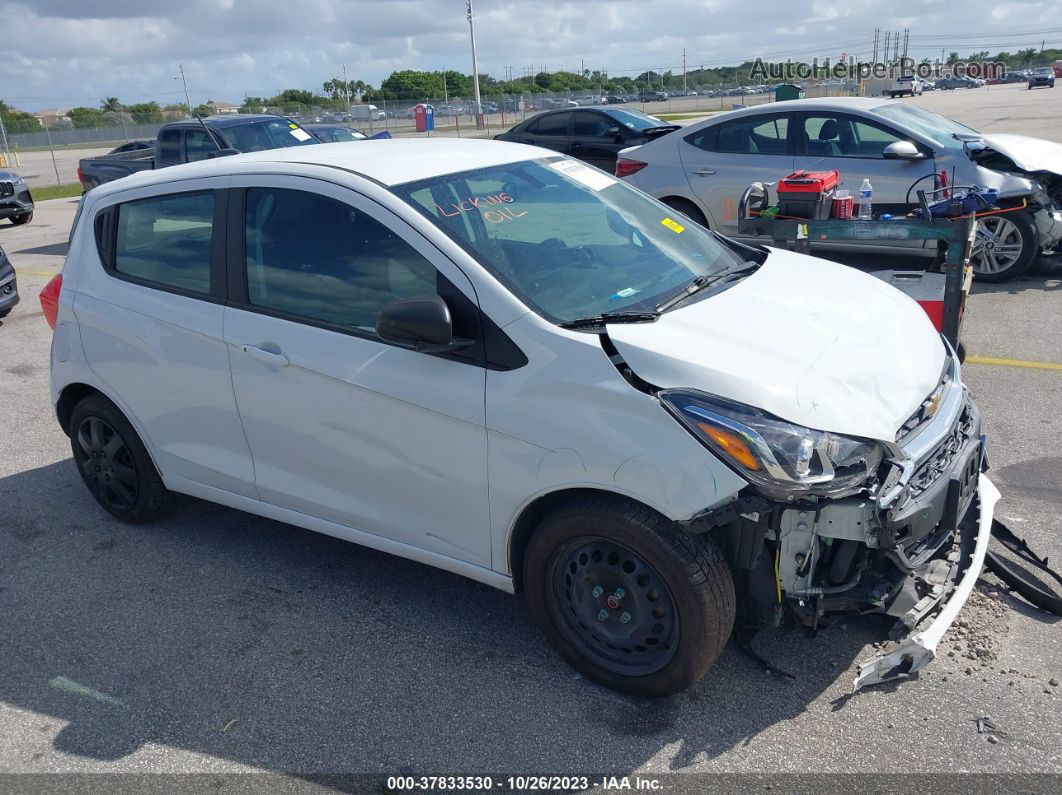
(704, 280)
(610, 317)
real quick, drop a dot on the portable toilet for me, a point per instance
(784, 91)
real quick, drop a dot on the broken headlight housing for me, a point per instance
(783, 460)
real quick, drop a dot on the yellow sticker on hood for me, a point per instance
(674, 226)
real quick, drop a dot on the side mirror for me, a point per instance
(902, 150)
(224, 152)
(422, 323)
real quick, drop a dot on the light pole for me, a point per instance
(180, 68)
(475, 67)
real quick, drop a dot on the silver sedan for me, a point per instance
(702, 169)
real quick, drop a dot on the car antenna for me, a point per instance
(209, 132)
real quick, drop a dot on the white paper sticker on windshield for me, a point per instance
(300, 135)
(591, 177)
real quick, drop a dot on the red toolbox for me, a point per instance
(807, 194)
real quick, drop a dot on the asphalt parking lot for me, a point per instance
(215, 641)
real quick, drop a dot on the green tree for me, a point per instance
(1025, 57)
(110, 105)
(953, 58)
(145, 112)
(17, 121)
(84, 118)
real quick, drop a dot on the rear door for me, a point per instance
(596, 138)
(721, 160)
(551, 130)
(149, 306)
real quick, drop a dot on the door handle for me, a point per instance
(575, 144)
(529, 140)
(703, 172)
(271, 358)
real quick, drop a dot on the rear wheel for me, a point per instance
(114, 464)
(19, 220)
(627, 598)
(687, 208)
(1004, 246)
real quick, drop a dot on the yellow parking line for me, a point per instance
(32, 272)
(1013, 362)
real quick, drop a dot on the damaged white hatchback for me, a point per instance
(507, 364)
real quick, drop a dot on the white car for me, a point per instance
(906, 85)
(505, 363)
(703, 169)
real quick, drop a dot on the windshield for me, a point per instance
(635, 119)
(568, 240)
(938, 129)
(271, 134)
(1044, 70)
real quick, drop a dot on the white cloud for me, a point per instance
(64, 52)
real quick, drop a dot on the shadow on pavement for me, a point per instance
(221, 633)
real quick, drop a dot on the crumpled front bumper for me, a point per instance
(908, 655)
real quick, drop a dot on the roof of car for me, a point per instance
(231, 119)
(387, 161)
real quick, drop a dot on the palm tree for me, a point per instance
(110, 105)
(953, 58)
(1026, 56)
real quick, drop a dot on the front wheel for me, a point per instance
(19, 220)
(627, 598)
(1004, 247)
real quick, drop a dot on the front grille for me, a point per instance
(7, 189)
(940, 461)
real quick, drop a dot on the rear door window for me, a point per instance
(198, 145)
(751, 135)
(553, 124)
(169, 147)
(591, 125)
(165, 241)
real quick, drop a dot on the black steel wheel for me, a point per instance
(629, 599)
(114, 464)
(614, 606)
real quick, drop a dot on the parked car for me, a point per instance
(898, 146)
(8, 285)
(16, 200)
(507, 364)
(594, 135)
(194, 139)
(447, 110)
(1044, 77)
(906, 85)
(335, 133)
(132, 146)
(652, 96)
(958, 81)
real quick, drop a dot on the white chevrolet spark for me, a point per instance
(499, 361)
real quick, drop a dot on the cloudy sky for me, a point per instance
(73, 52)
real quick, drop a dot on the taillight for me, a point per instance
(50, 299)
(80, 176)
(624, 167)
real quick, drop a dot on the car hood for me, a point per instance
(810, 341)
(8, 176)
(1028, 154)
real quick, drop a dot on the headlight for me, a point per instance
(19, 181)
(784, 460)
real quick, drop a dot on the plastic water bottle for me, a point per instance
(866, 200)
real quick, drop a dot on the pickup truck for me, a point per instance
(194, 139)
(911, 85)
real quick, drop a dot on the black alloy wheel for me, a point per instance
(106, 465)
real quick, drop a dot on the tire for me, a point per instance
(675, 590)
(19, 220)
(1009, 228)
(688, 209)
(114, 464)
